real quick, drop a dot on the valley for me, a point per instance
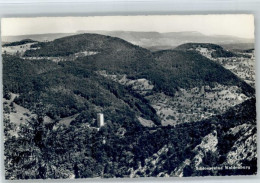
(187, 105)
(194, 104)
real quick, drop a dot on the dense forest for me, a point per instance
(69, 89)
(43, 152)
(189, 69)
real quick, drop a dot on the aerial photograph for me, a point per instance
(128, 96)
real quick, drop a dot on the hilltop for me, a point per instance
(239, 62)
(218, 50)
(118, 56)
(189, 69)
(17, 43)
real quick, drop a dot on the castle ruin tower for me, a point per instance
(202, 90)
(100, 120)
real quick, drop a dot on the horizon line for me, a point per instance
(93, 31)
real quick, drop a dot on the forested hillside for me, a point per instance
(189, 69)
(219, 51)
(79, 151)
(67, 89)
(118, 56)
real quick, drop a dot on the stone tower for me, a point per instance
(202, 90)
(100, 120)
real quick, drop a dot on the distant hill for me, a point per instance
(36, 37)
(17, 43)
(158, 41)
(187, 69)
(113, 54)
(150, 40)
(219, 51)
(188, 46)
(118, 56)
(238, 46)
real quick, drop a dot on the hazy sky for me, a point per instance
(236, 25)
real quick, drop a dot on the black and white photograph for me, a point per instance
(129, 96)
